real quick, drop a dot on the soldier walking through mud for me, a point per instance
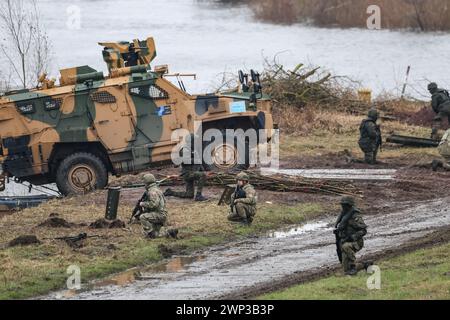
(440, 102)
(243, 201)
(192, 174)
(370, 140)
(349, 230)
(153, 213)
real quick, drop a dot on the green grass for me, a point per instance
(36, 270)
(423, 275)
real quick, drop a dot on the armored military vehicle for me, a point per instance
(91, 125)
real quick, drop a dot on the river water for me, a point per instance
(197, 36)
(200, 37)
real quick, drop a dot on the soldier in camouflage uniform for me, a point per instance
(154, 214)
(440, 102)
(243, 201)
(192, 174)
(350, 230)
(370, 137)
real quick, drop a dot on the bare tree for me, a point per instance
(24, 44)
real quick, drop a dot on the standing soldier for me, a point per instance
(440, 102)
(154, 214)
(243, 201)
(349, 230)
(192, 174)
(370, 137)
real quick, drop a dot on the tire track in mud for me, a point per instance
(247, 268)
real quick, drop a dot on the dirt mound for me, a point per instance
(424, 117)
(54, 221)
(25, 240)
(107, 224)
(168, 251)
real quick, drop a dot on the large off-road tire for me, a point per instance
(225, 156)
(81, 173)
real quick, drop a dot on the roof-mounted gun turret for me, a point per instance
(118, 55)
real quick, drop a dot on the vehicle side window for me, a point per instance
(52, 104)
(26, 107)
(152, 92)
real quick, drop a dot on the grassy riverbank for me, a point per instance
(430, 15)
(420, 275)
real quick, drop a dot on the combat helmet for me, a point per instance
(242, 176)
(149, 179)
(432, 86)
(373, 114)
(348, 200)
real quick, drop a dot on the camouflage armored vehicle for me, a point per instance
(91, 125)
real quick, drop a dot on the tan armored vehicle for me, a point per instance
(91, 125)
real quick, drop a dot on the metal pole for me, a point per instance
(112, 203)
(406, 81)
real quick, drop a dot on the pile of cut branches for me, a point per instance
(278, 183)
(305, 87)
(285, 183)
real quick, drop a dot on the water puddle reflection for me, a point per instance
(299, 230)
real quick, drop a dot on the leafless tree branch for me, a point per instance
(25, 44)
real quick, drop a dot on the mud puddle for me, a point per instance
(229, 270)
(300, 230)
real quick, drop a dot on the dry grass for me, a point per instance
(326, 132)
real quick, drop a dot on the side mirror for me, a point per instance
(241, 77)
(254, 75)
(256, 79)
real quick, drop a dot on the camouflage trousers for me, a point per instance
(190, 178)
(437, 124)
(152, 222)
(349, 250)
(241, 212)
(370, 152)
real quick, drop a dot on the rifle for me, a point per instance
(338, 245)
(379, 138)
(73, 239)
(137, 211)
(238, 194)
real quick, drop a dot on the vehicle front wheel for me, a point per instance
(81, 173)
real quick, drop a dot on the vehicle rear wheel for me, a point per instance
(81, 173)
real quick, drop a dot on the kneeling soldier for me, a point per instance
(349, 230)
(154, 214)
(243, 201)
(192, 174)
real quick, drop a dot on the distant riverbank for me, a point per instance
(416, 15)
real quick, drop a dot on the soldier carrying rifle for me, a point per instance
(349, 230)
(243, 201)
(151, 209)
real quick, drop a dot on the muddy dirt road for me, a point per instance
(235, 268)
